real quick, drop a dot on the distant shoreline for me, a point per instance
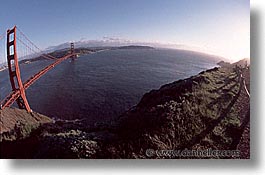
(3, 68)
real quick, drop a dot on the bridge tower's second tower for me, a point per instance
(73, 51)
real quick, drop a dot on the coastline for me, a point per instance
(168, 118)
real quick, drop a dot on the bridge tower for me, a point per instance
(73, 51)
(14, 71)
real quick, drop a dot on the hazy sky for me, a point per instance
(219, 27)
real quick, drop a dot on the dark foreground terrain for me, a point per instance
(206, 111)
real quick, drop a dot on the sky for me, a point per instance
(219, 27)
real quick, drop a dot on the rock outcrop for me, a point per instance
(18, 124)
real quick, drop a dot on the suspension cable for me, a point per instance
(41, 52)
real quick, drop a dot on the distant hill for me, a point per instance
(60, 53)
(135, 47)
(224, 64)
(242, 63)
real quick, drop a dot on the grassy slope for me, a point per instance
(17, 124)
(196, 113)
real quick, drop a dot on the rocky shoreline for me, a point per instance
(197, 113)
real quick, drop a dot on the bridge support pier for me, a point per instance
(14, 71)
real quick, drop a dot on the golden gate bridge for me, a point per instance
(20, 47)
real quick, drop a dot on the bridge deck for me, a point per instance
(14, 95)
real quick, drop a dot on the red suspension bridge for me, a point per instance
(30, 50)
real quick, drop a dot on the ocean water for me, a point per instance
(101, 86)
